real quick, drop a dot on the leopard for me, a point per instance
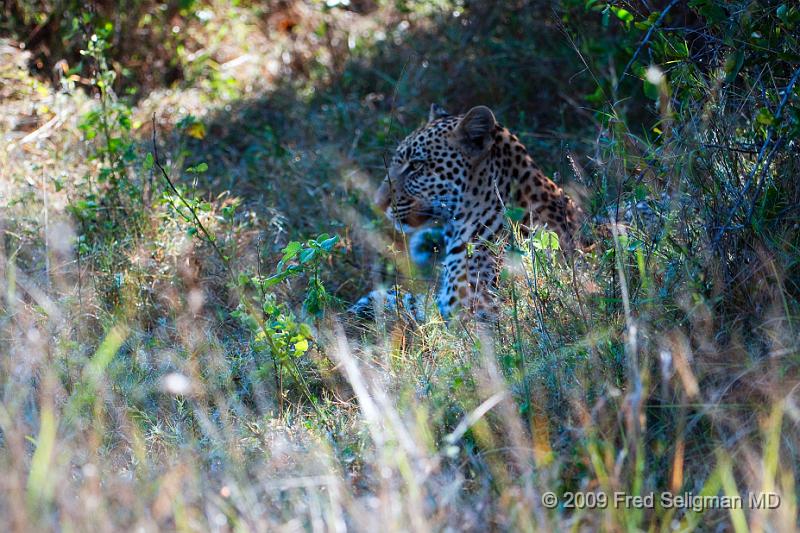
(464, 173)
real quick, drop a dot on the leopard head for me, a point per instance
(431, 166)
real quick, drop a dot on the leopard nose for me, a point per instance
(383, 196)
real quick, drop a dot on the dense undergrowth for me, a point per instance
(185, 193)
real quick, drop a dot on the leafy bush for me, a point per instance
(176, 356)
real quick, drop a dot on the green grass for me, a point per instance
(174, 351)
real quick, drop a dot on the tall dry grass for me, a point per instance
(665, 360)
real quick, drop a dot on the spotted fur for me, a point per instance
(465, 171)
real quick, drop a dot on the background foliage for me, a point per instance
(185, 191)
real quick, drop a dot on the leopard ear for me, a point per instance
(475, 132)
(437, 111)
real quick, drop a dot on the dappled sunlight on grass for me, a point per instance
(176, 348)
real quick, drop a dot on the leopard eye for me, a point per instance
(416, 165)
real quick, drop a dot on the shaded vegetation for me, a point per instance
(186, 213)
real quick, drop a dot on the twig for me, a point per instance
(580, 56)
(787, 92)
(645, 40)
(46, 231)
(183, 200)
(44, 130)
(278, 377)
(389, 179)
(274, 350)
(472, 418)
(741, 150)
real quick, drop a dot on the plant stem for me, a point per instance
(188, 206)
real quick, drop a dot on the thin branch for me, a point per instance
(211, 240)
(787, 92)
(645, 40)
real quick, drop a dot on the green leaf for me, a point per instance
(596, 97)
(307, 255)
(148, 161)
(291, 250)
(114, 144)
(515, 213)
(104, 174)
(710, 10)
(301, 347)
(275, 279)
(305, 330)
(124, 122)
(764, 116)
(329, 243)
(651, 91)
(733, 64)
(545, 240)
(623, 14)
(198, 169)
